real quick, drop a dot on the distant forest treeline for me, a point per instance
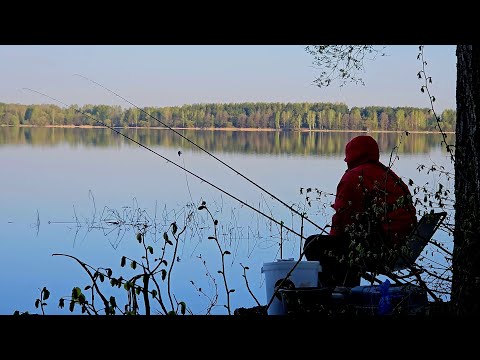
(290, 116)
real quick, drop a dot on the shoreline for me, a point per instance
(231, 129)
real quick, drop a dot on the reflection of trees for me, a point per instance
(259, 142)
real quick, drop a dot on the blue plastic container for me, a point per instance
(402, 299)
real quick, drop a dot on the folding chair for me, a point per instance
(416, 242)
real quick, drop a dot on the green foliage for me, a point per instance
(341, 62)
(278, 116)
(76, 291)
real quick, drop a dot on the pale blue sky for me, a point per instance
(161, 75)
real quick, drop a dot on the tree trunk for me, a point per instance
(465, 296)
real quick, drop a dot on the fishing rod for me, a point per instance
(281, 223)
(204, 150)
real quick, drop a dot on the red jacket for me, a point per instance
(365, 183)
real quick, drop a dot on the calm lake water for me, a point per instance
(81, 191)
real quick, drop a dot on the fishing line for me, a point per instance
(204, 150)
(170, 161)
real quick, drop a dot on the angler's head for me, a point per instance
(361, 149)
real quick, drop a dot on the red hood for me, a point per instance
(361, 149)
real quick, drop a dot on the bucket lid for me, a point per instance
(288, 264)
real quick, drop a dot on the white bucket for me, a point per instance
(304, 275)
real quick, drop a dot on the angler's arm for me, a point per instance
(347, 203)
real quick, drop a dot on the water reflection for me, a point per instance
(249, 142)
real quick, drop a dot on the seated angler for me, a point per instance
(374, 214)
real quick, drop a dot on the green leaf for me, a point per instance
(171, 312)
(37, 303)
(215, 222)
(138, 290)
(81, 299)
(231, 290)
(123, 262)
(212, 238)
(87, 287)
(101, 277)
(165, 262)
(226, 252)
(174, 228)
(133, 265)
(139, 237)
(72, 306)
(109, 272)
(76, 291)
(150, 249)
(113, 282)
(164, 274)
(16, 312)
(201, 207)
(127, 285)
(46, 293)
(61, 303)
(113, 302)
(165, 237)
(154, 293)
(183, 307)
